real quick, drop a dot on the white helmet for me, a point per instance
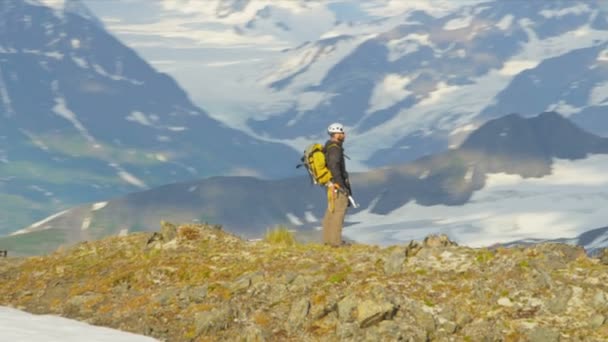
(335, 128)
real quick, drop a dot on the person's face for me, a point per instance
(341, 136)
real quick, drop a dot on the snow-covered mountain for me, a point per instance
(83, 118)
(513, 178)
(409, 78)
(417, 83)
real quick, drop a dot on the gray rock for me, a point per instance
(423, 319)
(389, 328)
(434, 241)
(394, 262)
(543, 334)
(449, 327)
(288, 277)
(305, 282)
(168, 231)
(277, 293)
(196, 294)
(242, 283)
(603, 256)
(597, 321)
(559, 303)
(166, 296)
(482, 331)
(210, 321)
(599, 301)
(346, 308)
(299, 311)
(255, 333)
(348, 331)
(319, 311)
(370, 312)
(462, 318)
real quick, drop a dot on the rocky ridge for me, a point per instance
(199, 283)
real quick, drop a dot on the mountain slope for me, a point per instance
(83, 117)
(504, 182)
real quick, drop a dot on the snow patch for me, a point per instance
(139, 118)
(54, 54)
(389, 92)
(514, 67)
(6, 100)
(468, 177)
(177, 128)
(458, 23)
(464, 129)
(100, 70)
(599, 94)
(410, 43)
(574, 10)
(98, 206)
(62, 110)
(505, 23)
(35, 140)
(310, 217)
(309, 100)
(86, 223)
(58, 4)
(80, 62)
(22, 326)
(564, 108)
(293, 219)
(129, 178)
(39, 224)
(438, 94)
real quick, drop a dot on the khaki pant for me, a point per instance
(333, 221)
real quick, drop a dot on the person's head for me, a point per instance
(336, 131)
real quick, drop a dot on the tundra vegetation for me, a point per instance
(200, 283)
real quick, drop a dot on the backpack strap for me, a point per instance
(331, 145)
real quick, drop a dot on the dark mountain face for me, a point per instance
(249, 206)
(83, 117)
(572, 78)
(593, 241)
(514, 144)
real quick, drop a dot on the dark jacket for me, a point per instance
(334, 158)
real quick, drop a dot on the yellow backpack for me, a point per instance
(314, 162)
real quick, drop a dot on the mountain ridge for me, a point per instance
(196, 282)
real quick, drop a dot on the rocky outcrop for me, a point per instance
(197, 282)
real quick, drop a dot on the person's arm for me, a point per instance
(333, 156)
